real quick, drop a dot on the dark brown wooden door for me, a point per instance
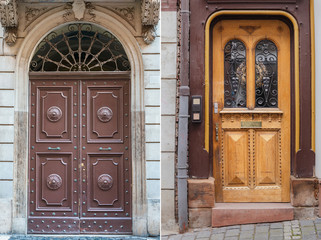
(80, 161)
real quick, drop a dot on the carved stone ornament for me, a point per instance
(127, 12)
(54, 114)
(54, 181)
(149, 34)
(150, 18)
(9, 20)
(104, 114)
(79, 8)
(32, 13)
(105, 182)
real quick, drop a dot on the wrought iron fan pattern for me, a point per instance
(79, 47)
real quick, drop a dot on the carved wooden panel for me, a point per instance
(235, 158)
(267, 160)
(54, 175)
(54, 111)
(105, 118)
(106, 183)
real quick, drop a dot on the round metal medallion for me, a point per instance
(54, 181)
(105, 182)
(54, 114)
(104, 114)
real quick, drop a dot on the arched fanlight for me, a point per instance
(79, 47)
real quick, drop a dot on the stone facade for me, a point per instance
(124, 19)
(168, 114)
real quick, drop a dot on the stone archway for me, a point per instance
(119, 28)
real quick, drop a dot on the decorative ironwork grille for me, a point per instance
(79, 47)
(266, 74)
(234, 74)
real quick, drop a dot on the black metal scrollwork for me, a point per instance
(234, 74)
(266, 74)
(80, 47)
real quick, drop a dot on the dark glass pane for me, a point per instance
(266, 74)
(234, 74)
(80, 47)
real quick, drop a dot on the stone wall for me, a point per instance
(168, 118)
(7, 66)
(151, 57)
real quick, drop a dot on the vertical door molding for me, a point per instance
(122, 32)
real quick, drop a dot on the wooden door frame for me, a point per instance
(296, 13)
(294, 79)
(122, 31)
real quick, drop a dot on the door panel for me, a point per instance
(251, 87)
(105, 192)
(53, 108)
(105, 120)
(56, 172)
(236, 156)
(80, 169)
(267, 155)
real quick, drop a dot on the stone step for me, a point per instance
(227, 214)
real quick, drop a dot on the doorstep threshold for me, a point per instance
(228, 214)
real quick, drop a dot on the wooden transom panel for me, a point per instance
(251, 111)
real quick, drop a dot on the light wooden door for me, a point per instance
(251, 111)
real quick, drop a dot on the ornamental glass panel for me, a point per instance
(266, 75)
(79, 47)
(234, 74)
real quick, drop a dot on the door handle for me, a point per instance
(216, 132)
(105, 149)
(50, 148)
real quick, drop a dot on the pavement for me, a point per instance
(296, 229)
